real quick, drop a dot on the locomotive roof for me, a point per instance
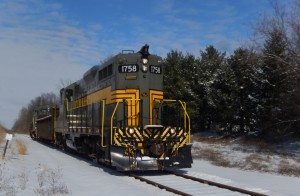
(129, 53)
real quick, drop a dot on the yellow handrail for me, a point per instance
(54, 124)
(102, 128)
(67, 104)
(183, 104)
(111, 121)
(169, 100)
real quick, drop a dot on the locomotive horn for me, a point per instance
(145, 50)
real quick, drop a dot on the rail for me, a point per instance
(161, 186)
(224, 186)
(184, 191)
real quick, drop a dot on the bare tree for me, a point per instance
(277, 39)
(23, 122)
(63, 83)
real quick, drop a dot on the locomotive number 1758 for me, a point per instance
(155, 69)
(131, 68)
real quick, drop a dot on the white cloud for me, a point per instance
(40, 44)
(38, 48)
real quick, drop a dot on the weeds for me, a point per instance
(49, 183)
(287, 168)
(23, 179)
(213, 156)
(21, 147)
(8, 185)
(2, 133)
(245, 154)
(256, 162)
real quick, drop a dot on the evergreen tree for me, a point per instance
(205, 87)
(245, 89)
(279, 82)
(179, 76)
(280, 35)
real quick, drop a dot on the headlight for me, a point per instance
(131, 131)
(172, 131)
(144, 61)
(144, 68)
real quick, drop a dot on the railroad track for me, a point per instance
(178, 183)
(185, 185)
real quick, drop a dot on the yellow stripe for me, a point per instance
(165, 132)
(138, 133)
(94, 98)
(131, 95)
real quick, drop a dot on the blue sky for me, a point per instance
(44, 42)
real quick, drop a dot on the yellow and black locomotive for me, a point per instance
(117, 114)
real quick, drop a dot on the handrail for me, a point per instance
(111, 121)
(169, 100)
(54, 124)
(183, 104)
(113, 114)
(102, 128)
(67, 104)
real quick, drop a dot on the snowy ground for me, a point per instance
(42, 168)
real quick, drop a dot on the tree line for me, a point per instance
(23, 124)
(253, 91)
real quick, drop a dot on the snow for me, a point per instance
(268, 184)
(82, 177)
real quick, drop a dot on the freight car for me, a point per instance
(44, 123)
(117, 114)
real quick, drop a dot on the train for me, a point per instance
(116, 114)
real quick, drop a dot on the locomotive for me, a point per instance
(117, 115)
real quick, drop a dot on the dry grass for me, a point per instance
(6, 187)
(21, 147)
(210, 140)
(286, 168)
(2, 133)
(256, 162)
(254, 155)
(49, 182)
(213, 156)
(259, 144)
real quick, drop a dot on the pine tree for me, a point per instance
(279, 81)
(206, 86)
(179, 76)
(245, 89)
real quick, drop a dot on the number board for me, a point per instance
(129, 68)
(155, 69)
